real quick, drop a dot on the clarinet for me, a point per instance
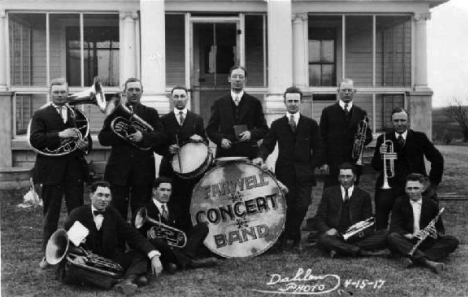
(425, 231)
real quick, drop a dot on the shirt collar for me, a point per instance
(402, 134)
(350, 191)
(419, 202)
(295, 115)
(342, 104)
(94, 208)
(184, 111)
(240, 95)
(159, 205)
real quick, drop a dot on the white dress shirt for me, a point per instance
(64, 113)
(416, 205)
(342, 104)
(295, 115)
(402, 134)
(98, 219)
(343, 192)
(177, 114)
(239, 95)
(159, 206)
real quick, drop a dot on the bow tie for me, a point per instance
(98, 212)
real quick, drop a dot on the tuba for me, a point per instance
(94, 95)
(359, 141)
(358, 229)
(388, 157)
(59, 247)
(172, 236)
(128, 121)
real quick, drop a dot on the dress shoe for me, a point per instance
(126, 287)
(141, 281)
(43, 264)
(407, 262)
(297, 247)
(207, 262)
(170, 268)
(332, 254)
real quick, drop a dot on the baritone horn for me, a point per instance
(172, 236)
(359, 141)
(388, 158)
(94, 95)
(59, 247)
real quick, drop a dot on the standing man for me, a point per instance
(59, 175)
(411, 217)
(410, 147)
(300, 152)
(338, 126)
(180, 126)
(341, 207)
(106, 228)
(131, 170)
(160, 209)
(237, 121)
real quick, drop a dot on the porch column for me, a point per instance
(153, 54)
(128, 46)
(3, 58)
(420, 55)
(280, 53)
(6, 129)
(300, 45)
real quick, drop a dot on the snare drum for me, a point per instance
(244, 207)
(193, 159)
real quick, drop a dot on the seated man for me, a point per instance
(106, 227)
(413, 217)
(172, 257)
(341, 207)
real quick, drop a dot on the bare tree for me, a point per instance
(458, 111)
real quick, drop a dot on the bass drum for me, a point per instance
(244, 207)
(193, 159)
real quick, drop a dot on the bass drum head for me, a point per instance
(243, 206)
(194, 157)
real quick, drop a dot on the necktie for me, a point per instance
(346, 197)
(165, 213)
(346, 110)
(236, 100)
(401, 141)
(61, 111)
(181, 117)
(292, 123)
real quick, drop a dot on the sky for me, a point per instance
(447, 41)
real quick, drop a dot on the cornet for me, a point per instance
(389, 156)
(359, 141)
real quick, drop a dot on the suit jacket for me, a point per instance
(338, 135)
(329, 210)
(299, 151)
(45, 127)
(193, 124)
(125, 158)
(114, 229)
(223, 119)
(402, 218)
(410, 158)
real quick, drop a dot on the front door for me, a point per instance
(214, 50)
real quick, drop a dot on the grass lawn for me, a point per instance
(21, 240)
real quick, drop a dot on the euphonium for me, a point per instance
(59, 247)
(358, 228)
(425, 231)
(389, 156)
(172, 236)
(359, 141)
(94, 95)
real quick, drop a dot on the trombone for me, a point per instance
(389, 156)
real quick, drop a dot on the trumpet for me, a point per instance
(425, 231)
(172, 236)
(358, 228)
(389, 156)
(58, 247)
(359, 141)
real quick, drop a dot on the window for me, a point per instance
(322, 57)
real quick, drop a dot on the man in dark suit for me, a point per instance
(338, 126)
(59, 175)
(300, 151)
(410, 147)
(341, 207)
(406, 229)
(131, 170)
(161, 210)
(106, 227)
(237, 121)
(181, 125)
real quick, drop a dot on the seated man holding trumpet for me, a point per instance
(90, 246)
(161, 225)
(344, 219)
(416, 229)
